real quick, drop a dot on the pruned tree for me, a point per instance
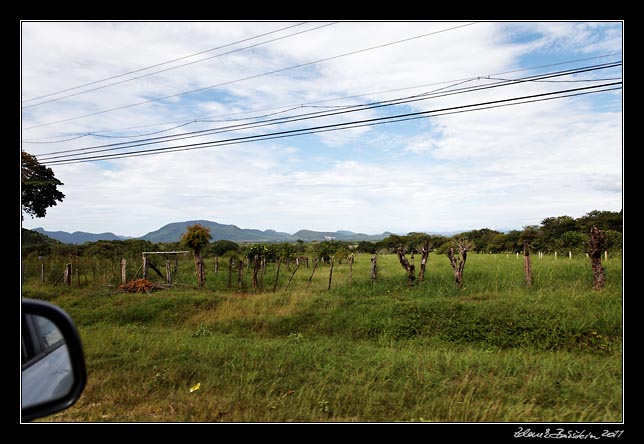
(39, 186)
(528, 235)
(596, 245)
(197, 238)
(457, 259)
(425, 249)
(409, 268)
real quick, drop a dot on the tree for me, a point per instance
(197, 238)
(220, 247)
(39, 187)
(595, 246)
(458, 263)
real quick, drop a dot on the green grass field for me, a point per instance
(494, 351)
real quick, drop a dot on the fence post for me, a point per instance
(240, 273)
(68, 274)
(145, 267)
(331, 271)
(168, 272)
(42, 273)
(374, 259)
(123, 271)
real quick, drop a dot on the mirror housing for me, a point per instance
(72, 365)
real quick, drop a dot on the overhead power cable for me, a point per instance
(160, 64)
(176, 67)
(354, 124)
(319, 114)
(289, 107)
(253, 76)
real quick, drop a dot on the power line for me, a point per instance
(348, 125)
(319, 114)
(159, 64)
(252, 77)
(291, 107)
(176, 67)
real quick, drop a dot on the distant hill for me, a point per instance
(78, 237)
(33, 241)
(172, 233)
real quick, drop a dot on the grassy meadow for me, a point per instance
(361, 351)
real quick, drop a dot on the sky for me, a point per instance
(366, 126)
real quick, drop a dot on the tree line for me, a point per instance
(561, 233)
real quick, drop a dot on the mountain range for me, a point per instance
(172, 233)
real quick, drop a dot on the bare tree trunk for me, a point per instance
(423, 260)
(407, 266)
(199, 267)
(527, 265)
(596, 245)
(458, 265)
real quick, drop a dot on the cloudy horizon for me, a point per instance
(477, 157)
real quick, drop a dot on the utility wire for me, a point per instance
(320, 114)
(178, 66)
(346, 125)
(291, 107)
(159, 64)
(254, 76)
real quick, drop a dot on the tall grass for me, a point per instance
(494, 351)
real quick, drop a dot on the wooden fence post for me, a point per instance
(123, 271)
(240, 273)
(374, 259)
(293, 274)
(168, 272)
(331, 271)
(230, 270)
(42, 272)
(68, 274)
(146, 264)
(314, 267)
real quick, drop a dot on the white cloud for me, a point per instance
(503, 167)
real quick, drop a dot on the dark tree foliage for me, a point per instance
(220, 247)
(39, 187)
(561, 233)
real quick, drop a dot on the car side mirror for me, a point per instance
(53, 363)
